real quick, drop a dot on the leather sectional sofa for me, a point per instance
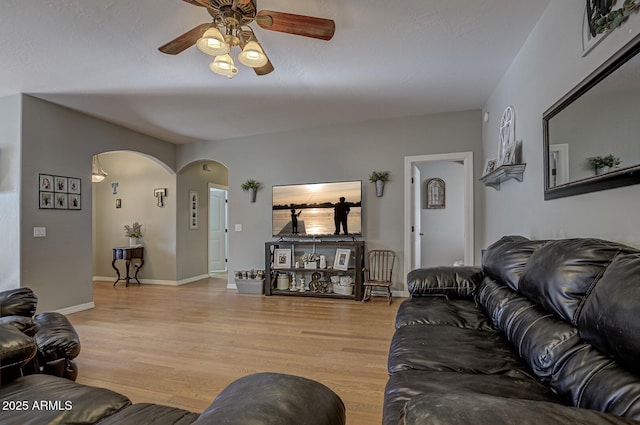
(545, 332)
(37, 374)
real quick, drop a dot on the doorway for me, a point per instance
(416, 238)
(218, 229)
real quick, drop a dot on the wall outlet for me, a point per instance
(39, 232)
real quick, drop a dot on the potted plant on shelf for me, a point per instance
(603, 164)
(134, 233)
(379, 178)
(252, 186)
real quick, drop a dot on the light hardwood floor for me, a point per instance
(180, 346)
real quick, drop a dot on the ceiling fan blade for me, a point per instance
(184, 41)
(306, 26)
(267, 67)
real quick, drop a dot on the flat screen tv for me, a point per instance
(317, 209)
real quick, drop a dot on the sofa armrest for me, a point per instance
(274, 398)
(16, 350)
(58, 344)
(26, 325)
(18, 302)
(464, 408)
(447, 281)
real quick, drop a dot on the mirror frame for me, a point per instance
(624, 177)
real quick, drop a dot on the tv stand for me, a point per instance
(318, 281)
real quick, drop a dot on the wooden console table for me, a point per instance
(128, 254)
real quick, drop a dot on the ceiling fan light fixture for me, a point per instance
(212, 43)
(252, 55)
(97, 173)
(224, 65)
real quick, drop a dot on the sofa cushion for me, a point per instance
(441, 311)
(18, 302)
(505, 259)
(52, 400)
(448, 348)
(24, 324)
(609, 318)
(465, 408)
(402, 386)
(559, 274)
(147, 413)
(451, 282)
(540, 338)
(592, 380)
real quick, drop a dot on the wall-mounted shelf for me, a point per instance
(503, 173)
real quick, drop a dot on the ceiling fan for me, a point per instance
(230, 28)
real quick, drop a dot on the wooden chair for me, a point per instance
(379, 274)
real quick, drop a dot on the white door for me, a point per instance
(217, 230)
(416, 227)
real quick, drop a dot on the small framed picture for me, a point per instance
(74, 202)
(46, 200)
(193, 208)
(281, 258)
(46, 183)
(61, 201)
(118, 203)
(73, 185)
(436, 193)
(60, 184)
(509, 154)
(489, 166)
(341, 260)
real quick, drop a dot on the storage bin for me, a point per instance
(250, 286)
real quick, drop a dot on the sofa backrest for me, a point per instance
(570, 308)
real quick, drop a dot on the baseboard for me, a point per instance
(155, 281)
(76, 308)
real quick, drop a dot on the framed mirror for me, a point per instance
(597, 119)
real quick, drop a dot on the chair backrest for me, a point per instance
(380, 265)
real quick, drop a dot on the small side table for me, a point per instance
(128, 254)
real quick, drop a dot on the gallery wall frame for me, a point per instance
(193, 209)
(59, 192)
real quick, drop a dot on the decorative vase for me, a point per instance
(135, 242)
(602, 170)
(379, 188)
(323, 261)
(253, 193)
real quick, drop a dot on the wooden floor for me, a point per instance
(180, 346)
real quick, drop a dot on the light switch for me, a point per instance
(39, 232)
(238, 227)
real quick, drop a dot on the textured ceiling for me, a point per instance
(387, 59)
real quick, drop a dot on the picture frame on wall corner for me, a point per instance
(341, 260)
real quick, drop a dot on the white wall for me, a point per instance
(137, 176)
(10, 152)
(347, 152)
(548, 66)
(443, 240)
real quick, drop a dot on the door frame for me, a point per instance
(409, 204)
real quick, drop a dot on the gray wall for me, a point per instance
(60, 141)
(547, 67)
(10, 153)
(347, 152)
(193, 244)
(137, 176)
